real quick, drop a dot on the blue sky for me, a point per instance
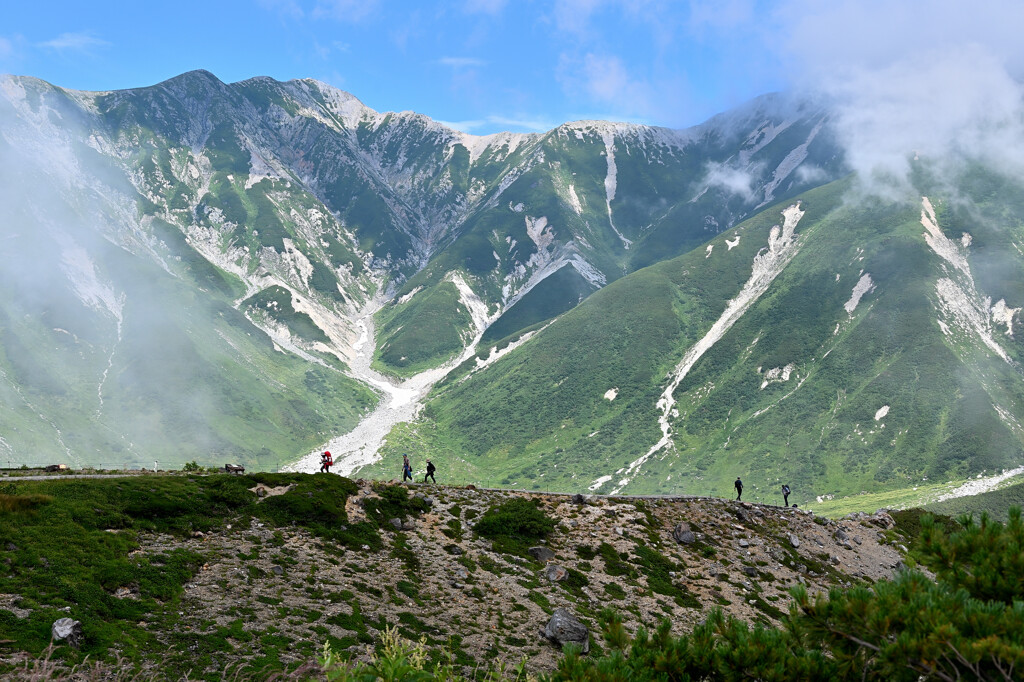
(489, 65)
(485, 65)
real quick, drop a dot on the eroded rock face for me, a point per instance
(564, 628)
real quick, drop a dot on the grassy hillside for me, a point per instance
(830, 392)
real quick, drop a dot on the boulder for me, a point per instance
(687, 537)
(579, 499)
(396, 522)
(744, 543)
(750, 570)
(555, 573)
(541, 554)
(564, 628)
(683, 535)
(794, 540)
(69, 630)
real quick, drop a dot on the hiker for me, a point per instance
(739, 488)
(326, 462)
(430, 472)
(785, 495)
(406, 468)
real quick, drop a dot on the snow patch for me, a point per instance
(964, 311)
(710, 246)
(767, 265)
(966, 240)
(1003, 314)
(610, 180)
(732, 244)
(611, 394)
(882, 411)
(981, 485)
(960, 303)
(863, 286)
(408, 296)
(777, 375)
(539, 231)
(574, 200)
(598, 482)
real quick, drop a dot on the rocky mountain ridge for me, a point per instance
(269, 593)
(307, 212)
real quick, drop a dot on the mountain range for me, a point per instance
(246, 272)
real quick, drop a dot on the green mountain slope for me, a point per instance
(873, 359)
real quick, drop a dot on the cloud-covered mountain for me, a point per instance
(201, 270)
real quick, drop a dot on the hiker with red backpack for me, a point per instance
(325, 462)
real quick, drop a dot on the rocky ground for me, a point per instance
(436, 580)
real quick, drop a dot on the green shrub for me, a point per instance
(514, 524)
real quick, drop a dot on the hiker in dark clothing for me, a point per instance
(739, 488)
(406, 469)
(430, 472)
(785, 495)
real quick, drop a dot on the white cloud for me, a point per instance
(733, 180)
(74, 42)
(606, 80)
(939, 79)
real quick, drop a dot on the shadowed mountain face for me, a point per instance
(208, 271)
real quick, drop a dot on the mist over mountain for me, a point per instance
(247, 272)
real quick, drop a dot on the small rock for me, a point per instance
(397, 523)
(555, 573)
(564, 628)
(277, 570)
(541, 554)
(683, 535)
(744, 543)
(579, 499)
(619, 531)
(794, 540)
(750, 570)
(461, 573)
(67, 629)
(409, 524)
